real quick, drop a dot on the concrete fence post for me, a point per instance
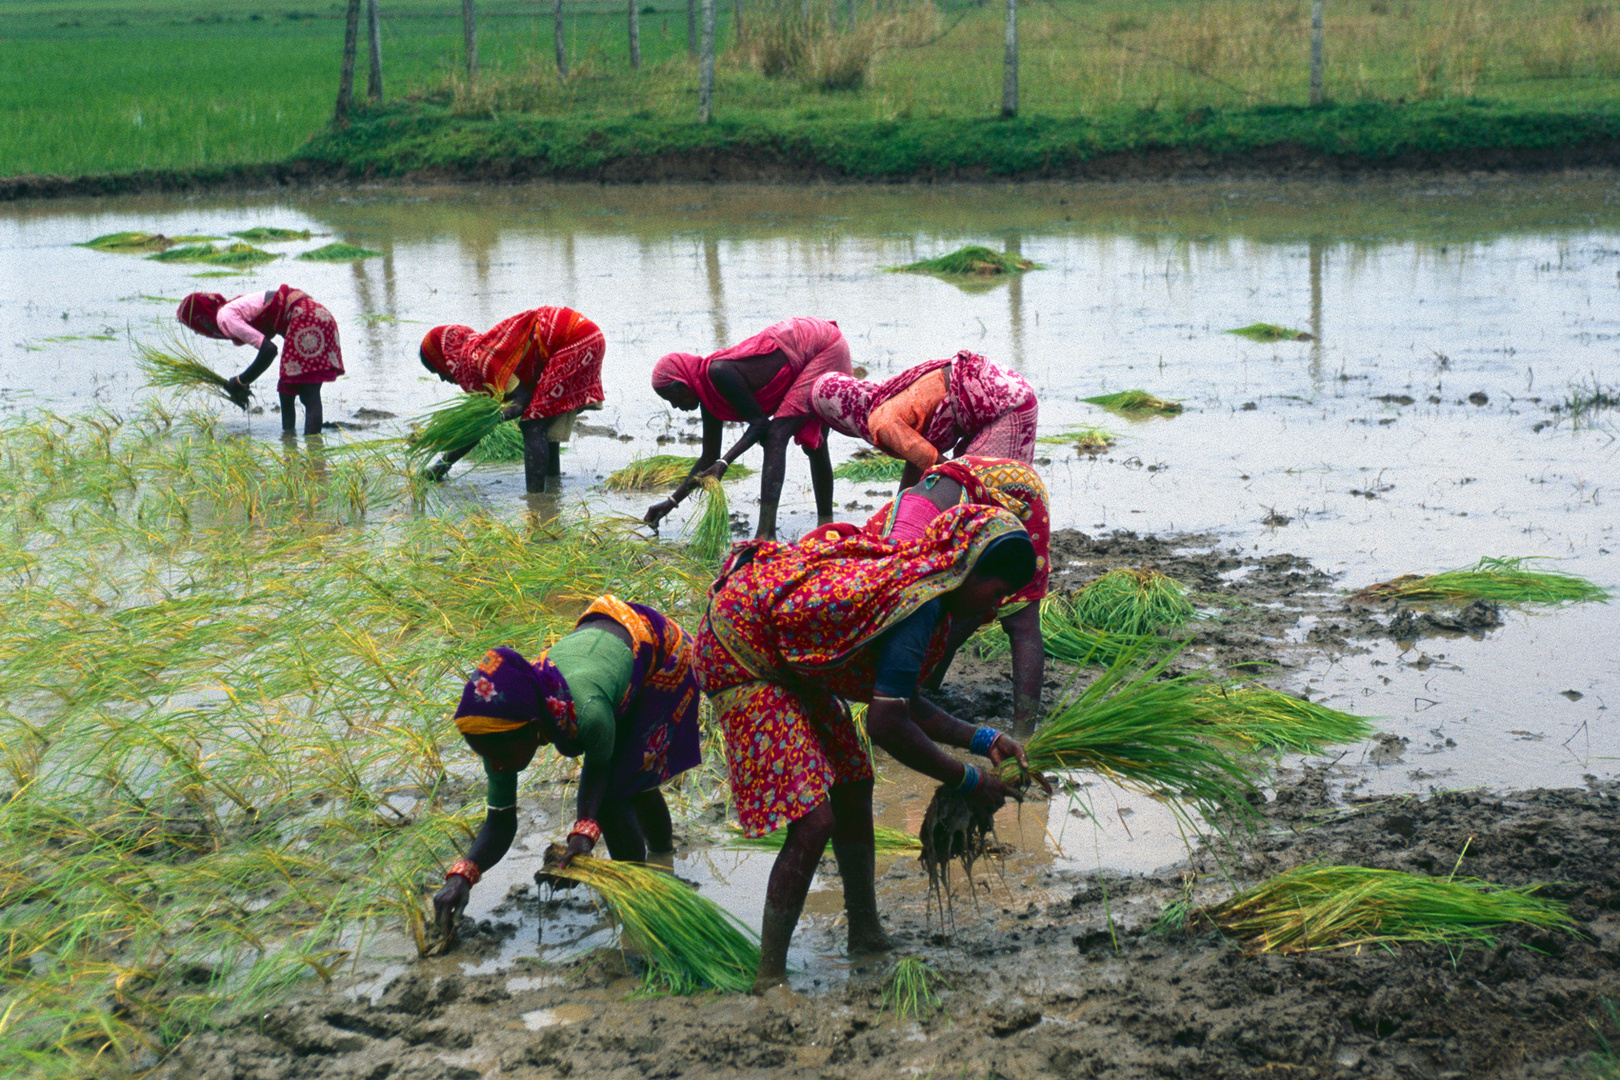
(1316, 52)
(374, 89)
(351, 41)
(706, 66)
(1009, 71)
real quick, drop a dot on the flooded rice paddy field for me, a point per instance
(1419, 430)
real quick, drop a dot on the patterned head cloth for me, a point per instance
(199, 312)
(507, 693)
(433, 350)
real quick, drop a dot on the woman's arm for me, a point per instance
(1023, 628)
(821, 482)
(712, 430)
(488, 847)
(593, 778)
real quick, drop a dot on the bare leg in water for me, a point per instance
(309, 394)
(638, 827)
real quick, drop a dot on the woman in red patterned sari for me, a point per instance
(310, 355)
(792, 631)
(547, 362)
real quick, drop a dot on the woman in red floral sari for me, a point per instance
(547, 362)
(794, 630)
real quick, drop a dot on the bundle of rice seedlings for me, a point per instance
(240, 255)
(1135, 401)
(338, 253)
(709, 532)
(971, 261)
(129, 241)
(1065, 638)
(185, 253)
(1315, 907)
(501, 446)
(463, 421)
(661, 471)
(1265, 332)
(886, 841)
(1132, 602)
(864, 466)
(689, 942)
(260, 234)
(910, 989)
(953, 830)
(1503, 580)
(1090, 440)
(177, 367)
(1256, 716)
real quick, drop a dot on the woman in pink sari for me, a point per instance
(960, 406)
(765, 382)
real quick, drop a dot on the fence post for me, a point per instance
(374, 31)
(1009, 73)
(692, 28)
(635, 33)
(562, 45)
(351, 40)
(1316, 52)
(738, 27)
(469, 34)
(706, 66)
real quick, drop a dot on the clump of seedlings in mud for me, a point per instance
(1316, 907)
(225, 669)
(973, 261)
(1065, 637)
(1138, 402)
(1503, 580)
(911, 989)
(865, 466)
(1132, 602)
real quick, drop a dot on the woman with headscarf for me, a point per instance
(547, 362)
(980, 481)
(765, 382)
(619, 689)
(310, 354)
(791, 632)
(963, 405)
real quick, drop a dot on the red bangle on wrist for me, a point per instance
(465, 868)
(587, 828)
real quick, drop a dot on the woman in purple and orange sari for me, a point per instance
(547, 362)
(619, 689)
(964, 405)
(765, 382)
(795, 629)
(310, 353)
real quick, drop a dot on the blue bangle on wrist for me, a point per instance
(983, 739)
(969, 783)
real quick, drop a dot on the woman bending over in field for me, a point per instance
(619, 689)
(310, 354)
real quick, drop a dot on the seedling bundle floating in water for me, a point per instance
(661, 471)
(263, 234)
(1266, 332)
(1503, 580)
(865, 467)
(689, 942)
(338, 253)
(232, 255)
(1090, 440)
(1315, 907)
(973, 261)
(1137, 402)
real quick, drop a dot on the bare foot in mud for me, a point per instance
(868, 941)
(764, 984)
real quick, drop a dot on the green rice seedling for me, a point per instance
(1258, 717)
(1316, 907)
(465, 420)
(865, 467)
(910, 989)
(1266, 332)
(186, 253)
(501, 446)
(709, 532)
(1132, 602)
(886, 841)
(689, 942)
(177, 366)
(336, 252)
(1135, 401)
(129, 241)
(1587, 398)
(1069, 639)
(661, 471)
(240, 255)
(261, 234)
(973, 261)
(1504, 580)
(1089, 440)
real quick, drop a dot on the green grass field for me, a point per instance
(92, 86)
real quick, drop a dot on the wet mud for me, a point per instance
(1052, 971)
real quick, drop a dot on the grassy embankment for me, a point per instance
(187, 85)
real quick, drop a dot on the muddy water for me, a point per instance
(1415, 433)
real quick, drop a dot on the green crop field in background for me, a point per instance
(97, 85)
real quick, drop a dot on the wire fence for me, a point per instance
(1061, 58)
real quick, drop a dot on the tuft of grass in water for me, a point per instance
(886, 841)
(1132, 602)
(709, 533)
(466, 420)
(1585, 399)
(177, 366)
(910, 989)
(864, 467)
(1089, 440)
(662, 471)
(1267, 332)
(336, 252)
(1504, 580)
(261, 234)
(1135, 401)
(129, 241)
(973, 261)
(689, 942)
(1316, 907)
(1262, 718)
(231, 255)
